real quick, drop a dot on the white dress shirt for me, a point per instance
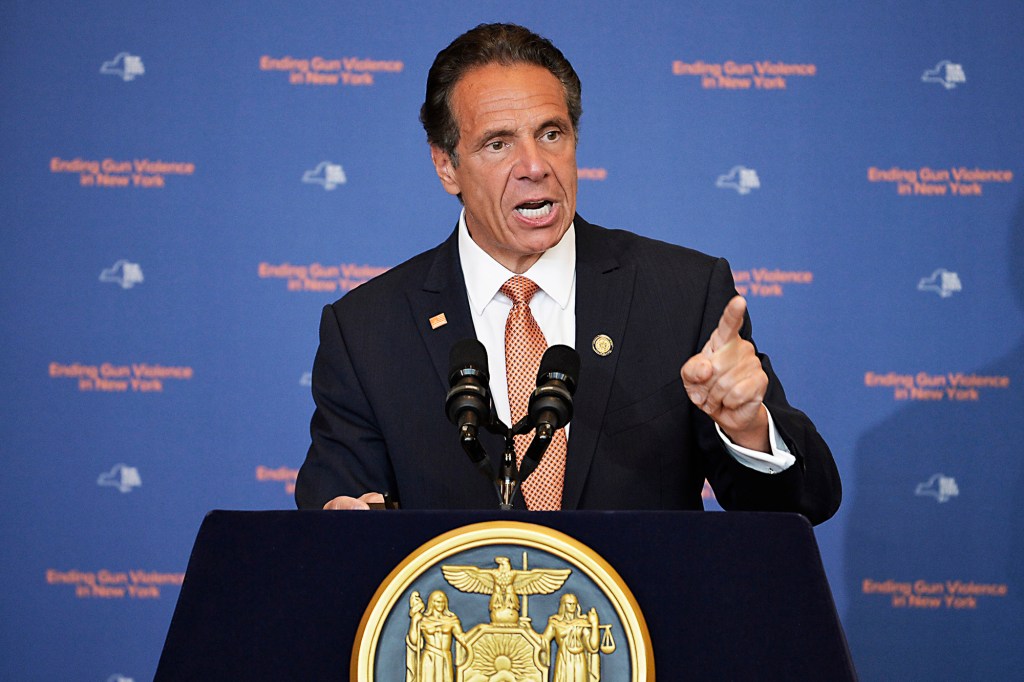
(554, 308)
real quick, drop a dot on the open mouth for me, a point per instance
(534, 209)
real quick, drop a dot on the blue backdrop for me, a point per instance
(183, 187)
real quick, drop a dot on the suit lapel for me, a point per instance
(604, 291)
(443, 292)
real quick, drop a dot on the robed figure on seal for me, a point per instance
(578, 641)
(432, 627)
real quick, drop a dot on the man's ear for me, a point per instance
(445, 169)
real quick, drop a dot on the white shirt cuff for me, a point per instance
(778, 461)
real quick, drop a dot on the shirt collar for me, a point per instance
(553, 272)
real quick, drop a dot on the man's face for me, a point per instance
(517, 161)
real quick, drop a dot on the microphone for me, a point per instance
(468, 403)
(550, 405)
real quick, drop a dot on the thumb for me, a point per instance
(697, 370)
(695, 373)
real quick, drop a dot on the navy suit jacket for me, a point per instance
(636, 441)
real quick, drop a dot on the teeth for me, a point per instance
(535, 212)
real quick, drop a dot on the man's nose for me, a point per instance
(531, 163)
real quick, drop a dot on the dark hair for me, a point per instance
(505, 44)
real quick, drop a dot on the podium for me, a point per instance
(279, 595)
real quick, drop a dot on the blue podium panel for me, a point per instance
(279, 595)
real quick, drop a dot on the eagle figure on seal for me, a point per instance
(505, 584)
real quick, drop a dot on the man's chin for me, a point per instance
(540, 241)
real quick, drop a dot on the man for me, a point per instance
(671, 389)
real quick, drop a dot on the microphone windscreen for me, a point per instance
(560, 359)
(467, 354)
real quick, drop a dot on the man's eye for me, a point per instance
(552, 135)
(496, 146)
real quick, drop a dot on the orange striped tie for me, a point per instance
(524, 346)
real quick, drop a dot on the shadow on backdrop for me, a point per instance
(940, 499)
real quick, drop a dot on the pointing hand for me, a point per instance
(726, 381)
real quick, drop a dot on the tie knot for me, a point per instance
(520, 289)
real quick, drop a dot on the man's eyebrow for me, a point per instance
(556, 122)
(560, 122)
(493, 133)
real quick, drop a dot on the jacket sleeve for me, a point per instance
(348, 454)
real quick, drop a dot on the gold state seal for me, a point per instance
(587, 607)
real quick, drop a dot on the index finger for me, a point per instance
(731, 321)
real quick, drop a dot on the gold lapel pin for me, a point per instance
(438, 320)
(602, 344)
